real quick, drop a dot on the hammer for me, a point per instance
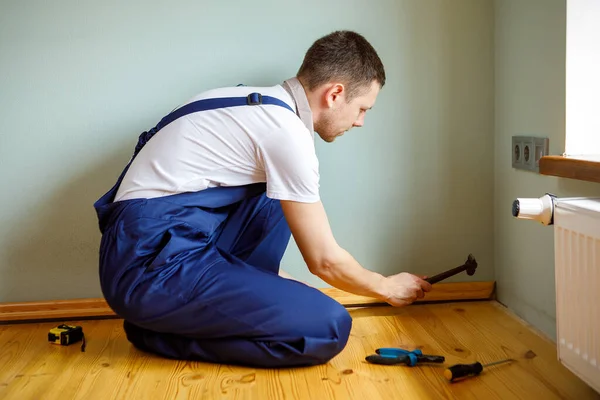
(469, 266)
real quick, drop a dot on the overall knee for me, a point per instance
(342, 325)
(336, 325)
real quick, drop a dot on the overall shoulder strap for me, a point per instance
(252, 99)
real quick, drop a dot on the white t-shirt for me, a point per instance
(230, 147)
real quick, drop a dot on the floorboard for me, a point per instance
(110, 368)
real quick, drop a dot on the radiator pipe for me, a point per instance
(540, 209)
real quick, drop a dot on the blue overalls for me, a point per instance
(195, 275)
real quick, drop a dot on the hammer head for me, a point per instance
(471, 264)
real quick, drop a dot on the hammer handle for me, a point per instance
(447, 274)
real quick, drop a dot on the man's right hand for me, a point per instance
(403, 289)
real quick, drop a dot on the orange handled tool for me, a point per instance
(461, 371)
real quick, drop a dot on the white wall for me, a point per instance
(530, 100)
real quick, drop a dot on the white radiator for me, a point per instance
(577, 270)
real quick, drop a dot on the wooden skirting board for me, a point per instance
(98, 308)
(441, 292)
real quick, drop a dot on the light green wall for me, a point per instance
(79, 80)
(530, 100)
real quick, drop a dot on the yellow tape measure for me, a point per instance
(65, 335)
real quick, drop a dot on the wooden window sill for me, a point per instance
(583, 168)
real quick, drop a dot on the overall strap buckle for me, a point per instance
(254, 99)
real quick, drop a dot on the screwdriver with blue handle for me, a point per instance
(461, 371)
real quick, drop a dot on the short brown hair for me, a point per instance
(342, 55)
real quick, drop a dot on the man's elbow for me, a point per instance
(319, 268)
(326, 265)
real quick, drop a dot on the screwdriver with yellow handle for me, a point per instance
(462, 371)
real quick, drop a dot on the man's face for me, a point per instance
(341, 115)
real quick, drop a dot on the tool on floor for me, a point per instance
(461, 371)
(65, 335)
(391, 356)
(469, 267)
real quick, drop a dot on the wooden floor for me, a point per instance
(32, 368)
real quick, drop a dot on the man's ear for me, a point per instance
(334, 94)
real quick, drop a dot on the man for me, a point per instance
(195, 227)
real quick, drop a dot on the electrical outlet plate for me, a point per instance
(527, 151)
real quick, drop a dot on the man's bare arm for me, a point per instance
(323, 256)
(334, 265)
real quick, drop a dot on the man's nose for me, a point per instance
(359, 122)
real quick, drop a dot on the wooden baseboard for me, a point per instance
(55, 310)
(458, 291)
(98, 308)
